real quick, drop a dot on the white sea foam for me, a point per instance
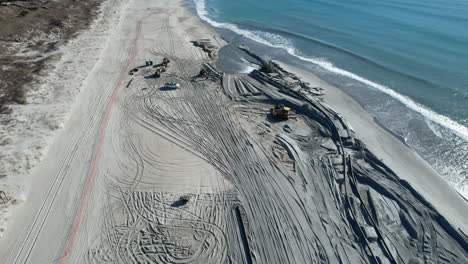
(434, 129)
(265, 38)
(276, 41)
(248, 67)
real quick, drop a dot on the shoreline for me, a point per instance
(448, 122)
(405, 168)
(112, 180)
(435, 189)
(443, 148)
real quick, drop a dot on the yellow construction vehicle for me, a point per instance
(280, 112)
(159, 71)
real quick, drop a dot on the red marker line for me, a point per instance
(97, 152)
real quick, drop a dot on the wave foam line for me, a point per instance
(442, 120)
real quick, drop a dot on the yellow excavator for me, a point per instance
(280, 111)
(159, 71)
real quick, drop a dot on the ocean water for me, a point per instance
(404, 61)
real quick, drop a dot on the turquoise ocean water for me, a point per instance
(405, 61)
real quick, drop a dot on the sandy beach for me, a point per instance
(393, 152)
(202, 173)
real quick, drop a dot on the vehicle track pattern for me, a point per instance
(261, 191)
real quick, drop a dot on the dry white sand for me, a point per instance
(31, 128)
(261, 191)
(131, 154)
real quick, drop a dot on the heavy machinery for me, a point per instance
(159, 71)
(203, 73)
(185, 198)
(280, 111)
(171, 85)
(165, 62)
(133, 71)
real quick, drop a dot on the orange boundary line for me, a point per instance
(97, 152)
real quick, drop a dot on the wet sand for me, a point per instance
(392, 151)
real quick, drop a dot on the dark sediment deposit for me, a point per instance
(313, 193)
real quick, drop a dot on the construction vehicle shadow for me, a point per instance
(165, 88)
(178, 203)
(183, 200)
(269, 117)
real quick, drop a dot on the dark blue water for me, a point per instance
(405, 61)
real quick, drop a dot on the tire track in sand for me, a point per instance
(97, 151)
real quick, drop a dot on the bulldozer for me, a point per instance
(280, 111)
(159, 71)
